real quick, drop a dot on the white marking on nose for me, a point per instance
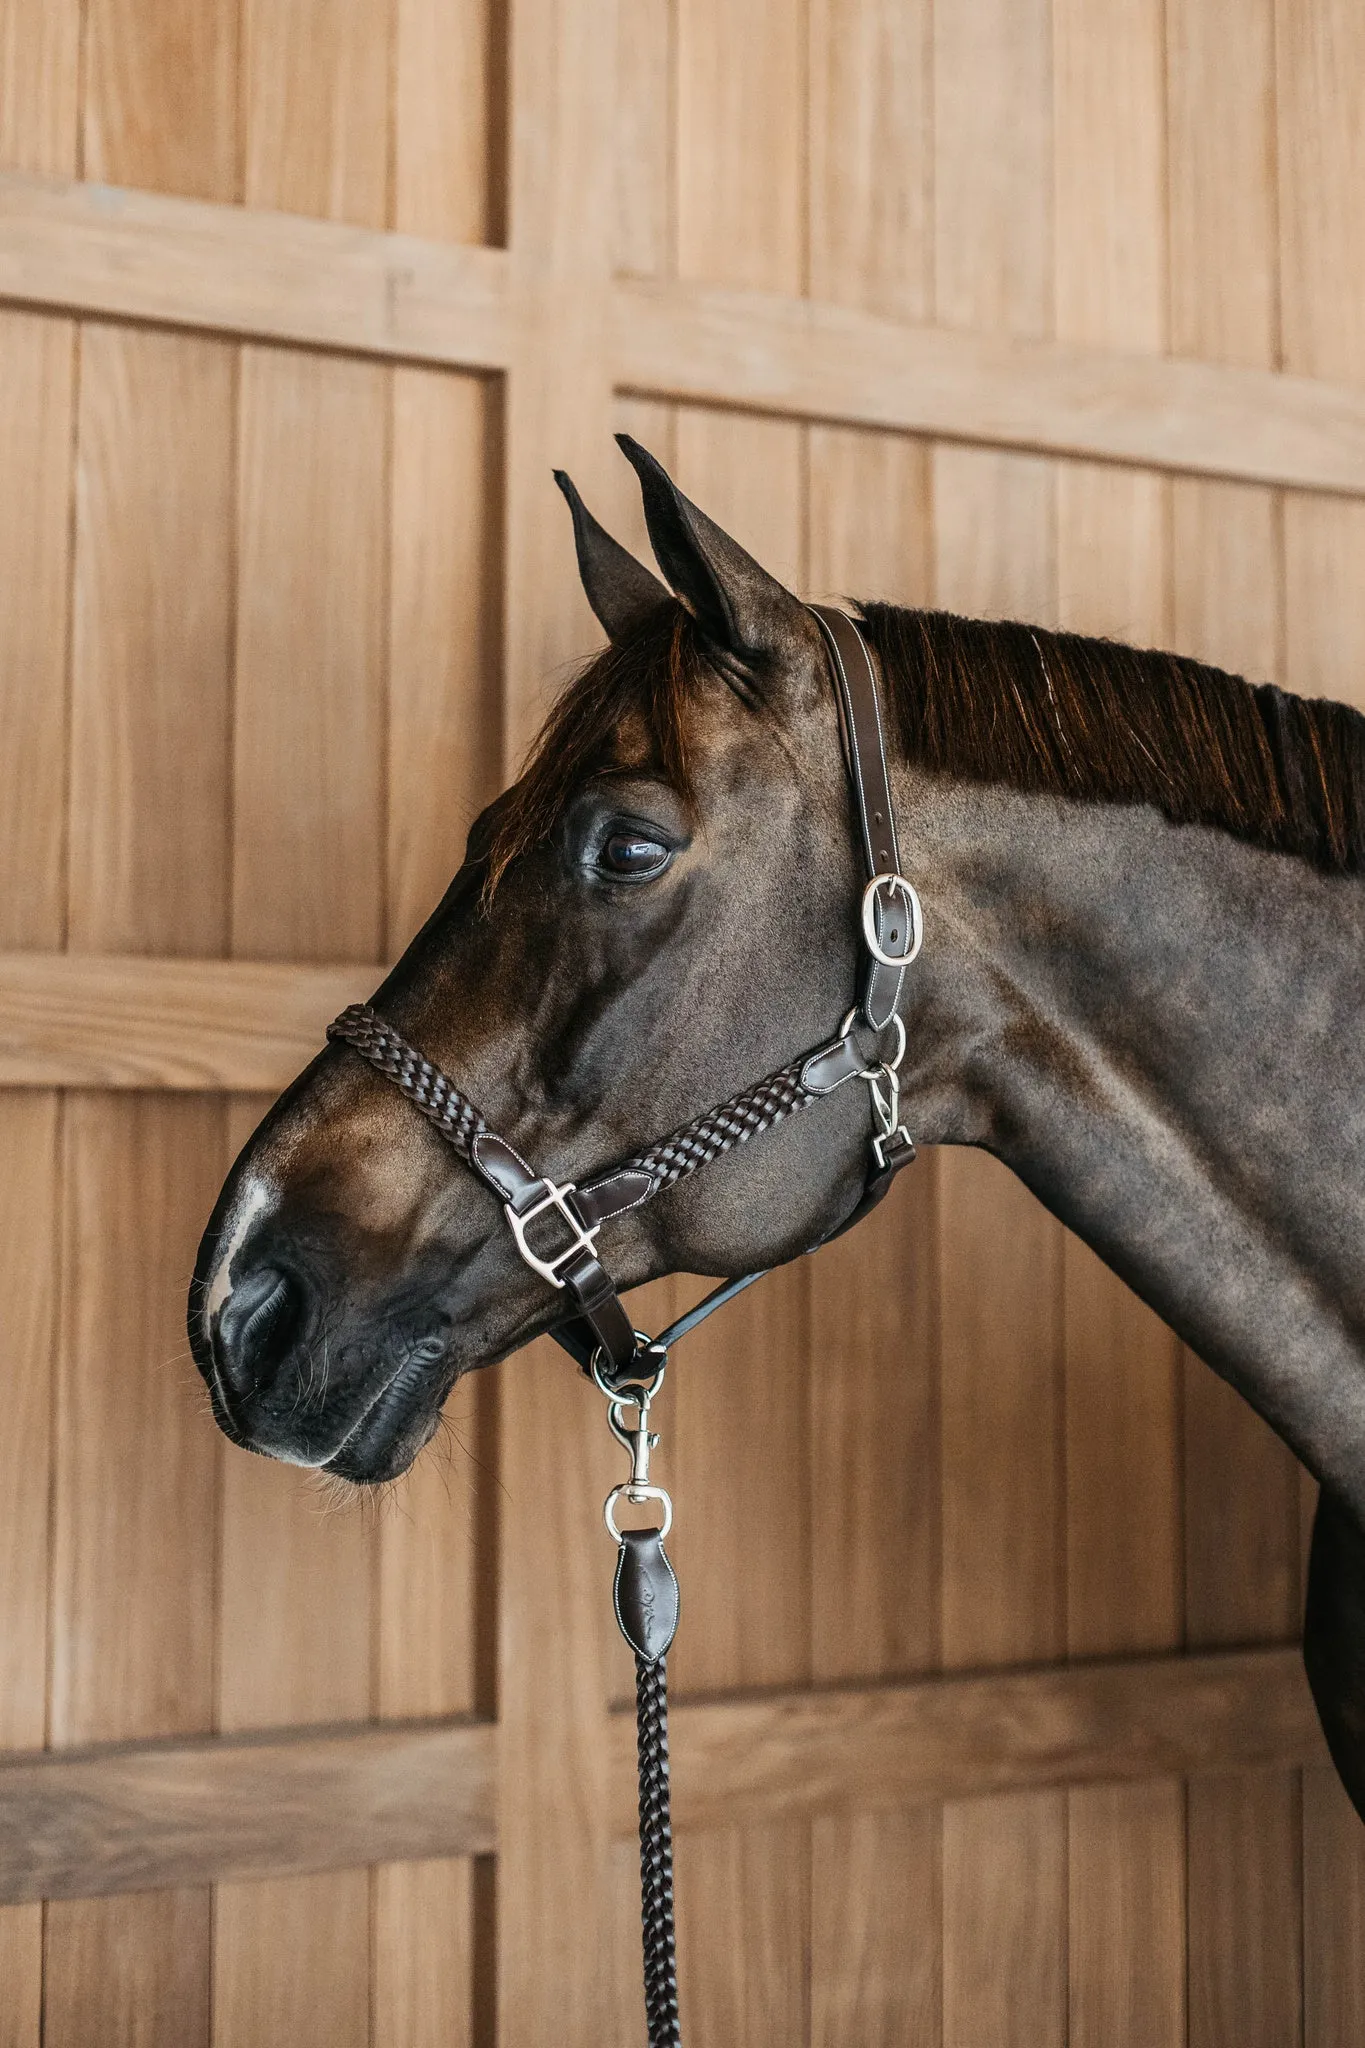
(253, 1199)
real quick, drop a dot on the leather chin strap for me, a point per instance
(555, 1227)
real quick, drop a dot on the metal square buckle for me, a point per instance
(584, 1240)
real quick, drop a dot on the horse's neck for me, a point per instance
(1159, 1029)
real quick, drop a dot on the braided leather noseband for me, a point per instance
(627, 1366)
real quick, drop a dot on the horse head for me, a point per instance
(662, 909)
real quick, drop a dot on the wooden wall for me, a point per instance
(1051, 309)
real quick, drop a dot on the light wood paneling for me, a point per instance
(645, 195)
(1319, 61)
(21, 1973)
(449, 142)
(161, 95)
(424, 1955)
(128, 1970)
(1004, 1921)
(29, 1215)
(128, 1818)
(150, 713)
(99, 1020)
(292, 1963)
(39, 85)
(37, 368)
(315, 89)
(741, 144)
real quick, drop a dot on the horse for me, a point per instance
(1144, 890)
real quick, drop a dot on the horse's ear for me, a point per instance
(619, 589)
(744, 612)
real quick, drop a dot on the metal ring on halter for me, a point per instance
(649, 1388)
(898, 886)
(889, 1065)
(635, 1493)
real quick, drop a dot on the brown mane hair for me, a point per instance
(1006, 703)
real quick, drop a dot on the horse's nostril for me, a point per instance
(257, 1326)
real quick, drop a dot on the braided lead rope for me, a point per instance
(656, 1855)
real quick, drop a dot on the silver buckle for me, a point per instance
(898, 886)
(584, 1240)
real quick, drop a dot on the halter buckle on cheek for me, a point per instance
(584, 1236)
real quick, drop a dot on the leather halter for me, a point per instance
(556, 1227)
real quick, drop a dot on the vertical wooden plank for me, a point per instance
(315, 94)
(39, 86)
(1126, 1876)
(128, 1970)
(37, 370)
(1319, 60)
(161, 95)
(1333, 1914)
(874, 1404)
(554, 1907)
(993, 165)
(21, 1974)
(1324, 549)
(741, 144)
(448, 141)
(644, 128)
(150, 715)
(1246, 1909)
(870, 233)
(1004, 1926)
(292, 1962)
(424, 1955)
(445, 723)
(308, 813)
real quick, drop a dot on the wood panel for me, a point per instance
(99, 1020)
(449, 123)
(128, 1970)
(153, 1815)
(37, 369)
(315, 91)
(190, 264)
(40, 85)
(741, 144)
(161, 96)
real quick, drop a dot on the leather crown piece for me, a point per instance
(556, 1227)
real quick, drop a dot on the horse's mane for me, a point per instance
(1104, 723)
(1011, 704)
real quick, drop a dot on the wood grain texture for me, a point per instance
(256, 272)
(1333, 1913)
(150, 712)
(292, 1963)
(1319, 60)
(741, 140)
(276, 277)
(424, 1955)
(146, 1817)
(449, 141)
(161, 95)
(644, 133)
(444, 716)
(29, 1242)
(99, 1020)
(309, 715)
(128, 1970)
(37, 369)
(1245, 1908)
(40, 86)
(21, 1974)
(1126, 1942)
(1004, 1921)
(315, 90)
(869, 227)
(887, 1748)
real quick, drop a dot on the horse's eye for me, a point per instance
(631, 853)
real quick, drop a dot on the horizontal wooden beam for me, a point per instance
(74, 1826)
(191, 1812)
(283, 278)
(271, 276)
(811, 360)
(738, 1762)
(74, 1020)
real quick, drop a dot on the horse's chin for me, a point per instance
(384, 1444)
